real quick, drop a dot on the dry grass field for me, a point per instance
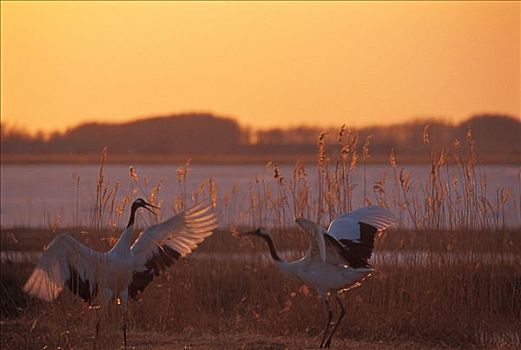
(426, 298)
(449, 278)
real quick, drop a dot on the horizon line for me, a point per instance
(23, 128)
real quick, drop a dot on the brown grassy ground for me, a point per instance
(214, 303)
(243, 341)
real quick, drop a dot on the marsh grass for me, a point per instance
(426, 295)
(427, 298)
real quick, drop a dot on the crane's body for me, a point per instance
(324, 277)
(125, 270)
(337, 258)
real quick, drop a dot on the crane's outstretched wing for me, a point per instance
(317, 247)
(323, 246)
(336, 253)
(345, 226)
(160, 245)
(357, 231)
(69, 263)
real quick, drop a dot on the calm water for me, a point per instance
(43, 195)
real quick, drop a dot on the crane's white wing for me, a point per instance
(317, 247)
(69, 263)
(346, 226)
(357, 231)
(160, 245)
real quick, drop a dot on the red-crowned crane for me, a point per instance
(98, 278)
(337, 257)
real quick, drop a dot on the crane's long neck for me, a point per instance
(273, 252)
(132, 217)
(125, 241)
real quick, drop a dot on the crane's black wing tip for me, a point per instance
(81, 287)
(161, 260)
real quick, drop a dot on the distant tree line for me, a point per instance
(187, 134)
(180, 134)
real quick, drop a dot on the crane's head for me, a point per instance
(306, 224)
(261, 231)
(140, 203)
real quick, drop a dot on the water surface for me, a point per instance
(44, 195)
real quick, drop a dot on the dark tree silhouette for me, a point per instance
(206, 134)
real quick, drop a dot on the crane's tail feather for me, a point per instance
(42, 286)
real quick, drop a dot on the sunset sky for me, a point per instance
(264, 63)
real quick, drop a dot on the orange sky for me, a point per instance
(267, 64)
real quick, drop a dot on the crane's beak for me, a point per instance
(147, 206)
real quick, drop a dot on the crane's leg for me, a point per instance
(329, 316)
(123, 297)
(125, 329)
(98, 326)
(342, 313)
(104, 299)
